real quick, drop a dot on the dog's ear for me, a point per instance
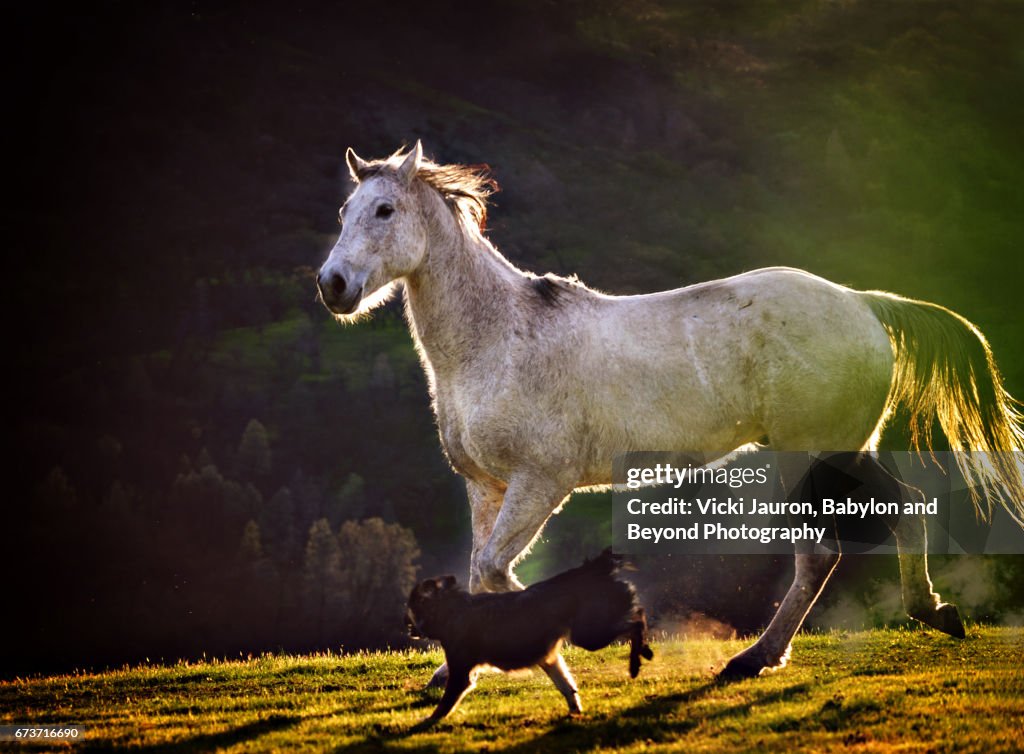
(447, 582)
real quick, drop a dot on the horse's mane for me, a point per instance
(465, 188)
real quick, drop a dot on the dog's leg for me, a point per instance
(638, 646)
(559, 674)
(460, 683)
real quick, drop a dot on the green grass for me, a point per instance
(892, 690)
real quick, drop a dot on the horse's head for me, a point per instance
(383, 234)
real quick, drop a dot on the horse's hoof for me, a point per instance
(440, 678)
(947, 620)
(740, 668)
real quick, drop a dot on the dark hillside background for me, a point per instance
(204, 462)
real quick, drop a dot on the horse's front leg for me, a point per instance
(529, 501)
(484, 503)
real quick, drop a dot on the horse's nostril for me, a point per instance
(332, 283)
(337, 283)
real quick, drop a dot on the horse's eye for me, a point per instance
(385, 211)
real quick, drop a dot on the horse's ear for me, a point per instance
(408, 169)
(356, 165)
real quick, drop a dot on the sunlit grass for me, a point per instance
(905, 690)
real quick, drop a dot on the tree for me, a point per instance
(382, 376)
(376, 575)
(256, 598)
(277, 523)
(204, 459)
(117, 520)
(321, 579)
(254, 452)
(210, 509)
(308, 500)
(349, 502)
(250, 549)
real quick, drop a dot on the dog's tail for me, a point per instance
(610, 610)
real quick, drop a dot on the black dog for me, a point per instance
(588, 605)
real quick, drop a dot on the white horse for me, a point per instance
(538, 381)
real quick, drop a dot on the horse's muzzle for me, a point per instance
(339, 295)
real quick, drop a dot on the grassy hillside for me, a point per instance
(907, 690)
(179, 168)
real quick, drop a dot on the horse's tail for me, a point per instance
(944, 369)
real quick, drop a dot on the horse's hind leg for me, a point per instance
(814, 566)
(772, 648)
(920, 601)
